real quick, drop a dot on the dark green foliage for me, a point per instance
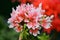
(5, 32)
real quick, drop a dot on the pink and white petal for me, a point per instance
(35, 34)
(29, 25)
(11, 26)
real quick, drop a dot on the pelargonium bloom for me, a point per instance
(34, 32)
(31, 16)
(51, 7)
(46, 23)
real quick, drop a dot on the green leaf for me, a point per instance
(43, 37)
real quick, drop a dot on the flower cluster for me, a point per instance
(51, 7)
(33, 17)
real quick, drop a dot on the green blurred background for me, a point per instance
(5, 10)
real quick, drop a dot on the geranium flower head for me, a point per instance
(31, 16)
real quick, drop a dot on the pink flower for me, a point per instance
(31, 16)
(29, 7)
(33, 19)
(46, 23)
(34, 32)
(18, 28)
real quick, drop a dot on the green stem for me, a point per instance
(22, 32)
